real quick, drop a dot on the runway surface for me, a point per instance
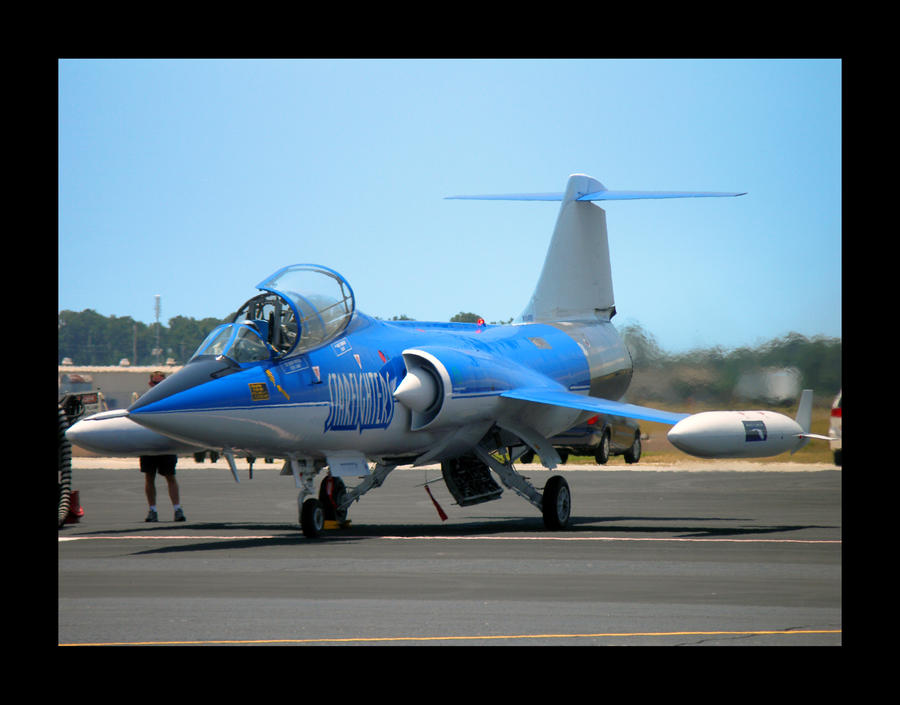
(691, 554)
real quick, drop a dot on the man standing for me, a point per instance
(165, 466)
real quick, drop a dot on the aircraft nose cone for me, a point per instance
(216, 404)
(191, 375)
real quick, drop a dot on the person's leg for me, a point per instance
(150, 488)
(148, 469)
(167, 470)
(174, 494)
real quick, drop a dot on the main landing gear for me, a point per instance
(555, 503)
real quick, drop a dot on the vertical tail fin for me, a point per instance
(576, 279)
(804, 418)
(804, 410)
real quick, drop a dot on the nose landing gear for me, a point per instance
(326, 511)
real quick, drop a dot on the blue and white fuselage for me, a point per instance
(340, 396)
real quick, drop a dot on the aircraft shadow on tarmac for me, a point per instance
(269, 534)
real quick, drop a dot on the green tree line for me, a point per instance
(91, 339)
(715, 374)
(709, 374)
(88, 338)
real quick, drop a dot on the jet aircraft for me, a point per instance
(300, 373)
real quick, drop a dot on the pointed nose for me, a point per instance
(215, 403)
(191, 375)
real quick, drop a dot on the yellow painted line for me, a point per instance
(370, 640)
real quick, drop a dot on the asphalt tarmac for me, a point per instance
(689, 554)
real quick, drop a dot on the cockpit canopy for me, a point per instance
(302, 307)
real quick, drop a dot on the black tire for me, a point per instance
(329, 504)
(563, 456)
(633, 454)
(312, 518)
(527, 457)
(556, 503)
(602, 454)
(837, 457)
(65, 470)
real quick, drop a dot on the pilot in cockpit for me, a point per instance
(248, 347)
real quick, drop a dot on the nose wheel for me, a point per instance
(312, 518)
(314, 512)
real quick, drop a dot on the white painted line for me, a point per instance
(597, 538)
(200, 537)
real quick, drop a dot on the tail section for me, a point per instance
(576, 280)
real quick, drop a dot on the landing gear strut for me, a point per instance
(556, 501)
(333, 500)
(312, 515)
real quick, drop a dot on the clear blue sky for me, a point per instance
(196, 179)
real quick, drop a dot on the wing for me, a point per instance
(570, 400)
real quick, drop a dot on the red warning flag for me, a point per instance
(437, 506)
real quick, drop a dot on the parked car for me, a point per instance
(834, 430)
(601, 437)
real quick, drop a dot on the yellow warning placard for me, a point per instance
(258, 391)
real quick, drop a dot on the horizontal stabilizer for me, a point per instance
(571, 400)
(817, 436)
(636, 195)
(598, 196)
(510, 197)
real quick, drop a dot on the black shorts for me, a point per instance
(163, 464)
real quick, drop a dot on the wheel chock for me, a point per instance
(331, 524)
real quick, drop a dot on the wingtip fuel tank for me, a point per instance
(743, 434)
(113, 433)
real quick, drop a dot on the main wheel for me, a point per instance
(633, 454)
(312, 518)
(602, 454)
(557, 503)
